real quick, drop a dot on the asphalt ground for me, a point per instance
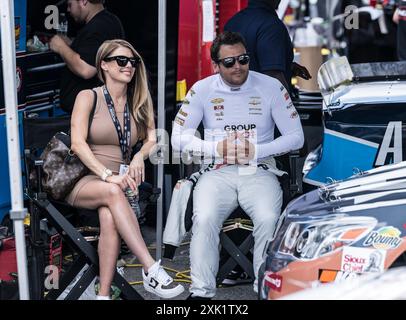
(180, 263)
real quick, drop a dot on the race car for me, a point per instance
(364, 110)
(354, 221)
(371, 286)
(338, 232)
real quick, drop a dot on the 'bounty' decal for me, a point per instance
(384, 238)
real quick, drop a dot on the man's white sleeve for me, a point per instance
(185, 124)
(287, 120)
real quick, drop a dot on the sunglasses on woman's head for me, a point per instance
(122, 61)
(228, 62)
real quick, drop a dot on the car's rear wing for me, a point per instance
(379, 71)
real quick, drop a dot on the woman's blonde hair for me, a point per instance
(138, 95)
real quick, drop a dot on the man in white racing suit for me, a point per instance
(239, 109)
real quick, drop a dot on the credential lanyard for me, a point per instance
(124, 137)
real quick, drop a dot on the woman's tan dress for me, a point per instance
(103, 142)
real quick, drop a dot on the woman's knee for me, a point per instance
(114, 192)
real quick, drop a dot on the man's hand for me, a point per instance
(72, 59)
(300, 71)
(227, 149)
(57, 44)
(245, 150)
(233, 153)
(67, 40)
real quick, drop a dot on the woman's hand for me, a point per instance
(124, 181)
(137, 169)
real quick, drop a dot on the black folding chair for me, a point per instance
(37, 133)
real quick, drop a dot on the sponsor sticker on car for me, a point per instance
(273, 281)
(362, 260)
(384, 238)
(335, 276)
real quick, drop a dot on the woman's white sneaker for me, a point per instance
(158, 282)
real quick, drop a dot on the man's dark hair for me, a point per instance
(225, 38)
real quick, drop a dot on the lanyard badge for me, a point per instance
(124, 136)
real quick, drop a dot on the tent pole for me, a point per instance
(161, 119)
(18, 212)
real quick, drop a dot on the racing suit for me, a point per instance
(254, 109)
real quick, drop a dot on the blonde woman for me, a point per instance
(123, 115)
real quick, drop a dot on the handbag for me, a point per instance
(62, 169)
